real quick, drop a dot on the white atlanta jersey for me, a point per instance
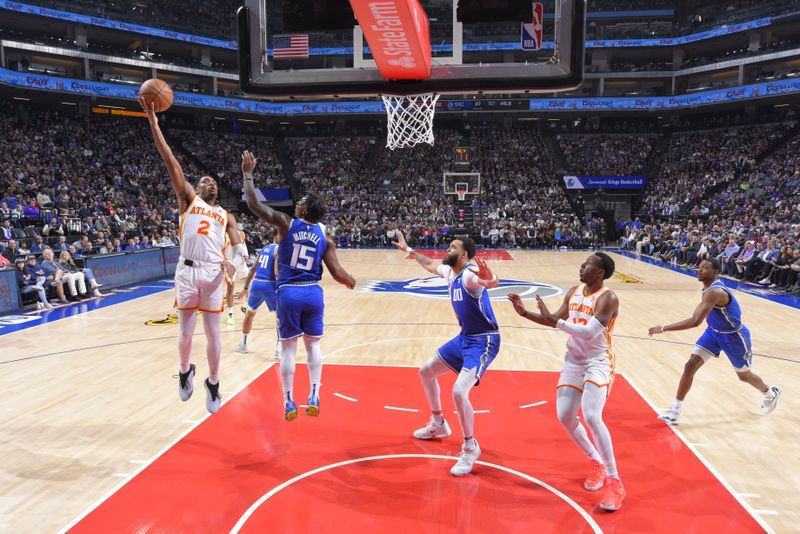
(203, 232)
(581, 309)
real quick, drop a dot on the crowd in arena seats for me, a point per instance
(752, 224)
(79, 186)
(210, 18)
(222, 154)
(604, 154)
(89, 185)
(521, 201)
(696, 161)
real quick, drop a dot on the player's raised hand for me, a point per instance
(401, 241)
(483, 271)
(519, 307)
(544, 312)
(248, 162)
(149, 108)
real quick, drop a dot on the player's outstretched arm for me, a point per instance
(714, 297)
(337, 271)
(183, 189)
(549, 320)
(425, 261)
(275, 218)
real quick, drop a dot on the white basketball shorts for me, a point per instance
(599, 370)
(199, 288)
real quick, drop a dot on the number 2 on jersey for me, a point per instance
(303, 257)
(203, 228)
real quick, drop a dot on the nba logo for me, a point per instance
(531, 33)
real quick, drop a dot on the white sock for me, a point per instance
(439, 418)
(470, 443)
(676, 405)
(314, 362)
(770, 393)
(244, 338)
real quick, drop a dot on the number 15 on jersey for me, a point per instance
(303, 257)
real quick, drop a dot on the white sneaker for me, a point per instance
(770, 401)
(231, 321)
(241, 347)
(466, 460)
(97, 293)
(671, 416)
(39, 306)
(213, 400)
(764, 281)
(433, 430)
(185, 385)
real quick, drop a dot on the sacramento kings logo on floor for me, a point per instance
(435, 287)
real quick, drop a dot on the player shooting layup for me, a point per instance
(302, 248)
(201, 267)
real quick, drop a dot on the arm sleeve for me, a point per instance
(586, 332)
(444, 271)
(471, 283)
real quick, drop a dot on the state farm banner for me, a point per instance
(398, 35)
(606, 182)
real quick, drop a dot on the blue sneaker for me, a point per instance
(291, 410)
(313, 406)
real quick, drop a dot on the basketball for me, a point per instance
(158, 92)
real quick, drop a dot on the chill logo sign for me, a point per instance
(436, 287)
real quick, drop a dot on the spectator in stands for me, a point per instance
(28, 283)
(6, 232)
(11, 252)
(75, 280)
(62, 244)
(53, 227)
(54, 274)
(38, 244)
(69, 266)
(746, 257)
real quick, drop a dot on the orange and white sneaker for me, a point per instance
(596, 477)
(613, 496)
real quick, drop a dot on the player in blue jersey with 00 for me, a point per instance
(302, 249)
(725, 332)
(468, 354)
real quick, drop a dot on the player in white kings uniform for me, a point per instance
(201, 268)
(587, 314)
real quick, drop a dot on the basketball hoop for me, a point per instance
(462, 194)
(410, 119)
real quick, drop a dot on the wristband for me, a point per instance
(662, 329)
(409, 250)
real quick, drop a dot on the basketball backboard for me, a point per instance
(315, 48)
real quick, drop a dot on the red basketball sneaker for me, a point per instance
(596, 477)
(613, 496)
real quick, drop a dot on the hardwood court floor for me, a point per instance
(100, 400)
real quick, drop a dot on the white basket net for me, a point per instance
(410, 120)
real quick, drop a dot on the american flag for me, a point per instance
(290, 46)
